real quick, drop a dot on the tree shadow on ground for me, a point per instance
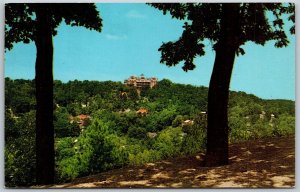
(264, 163)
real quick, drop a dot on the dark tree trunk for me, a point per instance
(217, 119)
(44, 98)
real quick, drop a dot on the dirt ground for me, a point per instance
(264, 163)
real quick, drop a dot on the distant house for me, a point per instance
(123, 94)
(84, 105)
(272, 118)
(83, 117)
(142, 111)
(151, 134)
(187, 122)
(71, 119)
(262, 115)
(82, 120)
(125, 111)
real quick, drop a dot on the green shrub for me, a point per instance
(261, 129)
(64, 148)
(68, 169)
(284, 125)
(144, 157)
(168, 142)
(239, 129)
(20, 159)
(137, 132)
(96, 150)
(177, 121)
(194, 139)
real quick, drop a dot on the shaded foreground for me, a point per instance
(263, 163)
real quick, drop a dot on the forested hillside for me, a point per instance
(105, 125)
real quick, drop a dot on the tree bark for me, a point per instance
(44, 97)
(217, 119)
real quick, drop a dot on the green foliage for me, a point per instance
(205, 22)
(239, 128)
(64, 147)
(68, 169)
(38, 23)
(137, 132)
(19, 96)
(168, 142)
(20, 19)
(195, 138)
(96, 150)
(261, 129)
(177, 121)
(157, 121)
(124, 121)
(20, 153)
(228, 26)
(254, 120)
(11, 131)
(144, 157)
(284, 125)
(74, 109)
(62, 125)
(117, 136)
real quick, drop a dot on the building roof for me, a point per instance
(142, 110)
(82, 116)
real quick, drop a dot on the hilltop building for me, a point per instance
(141, 82)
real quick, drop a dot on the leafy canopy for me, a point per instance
(204, 22)
(20, 19)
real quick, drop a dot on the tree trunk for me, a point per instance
(44, 98)
(217, 119)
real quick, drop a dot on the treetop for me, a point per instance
(203, 21)
(20, 19)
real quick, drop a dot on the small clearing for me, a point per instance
(264, 163)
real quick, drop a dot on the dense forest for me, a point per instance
(106, 125)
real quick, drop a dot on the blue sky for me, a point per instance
(128, 45)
